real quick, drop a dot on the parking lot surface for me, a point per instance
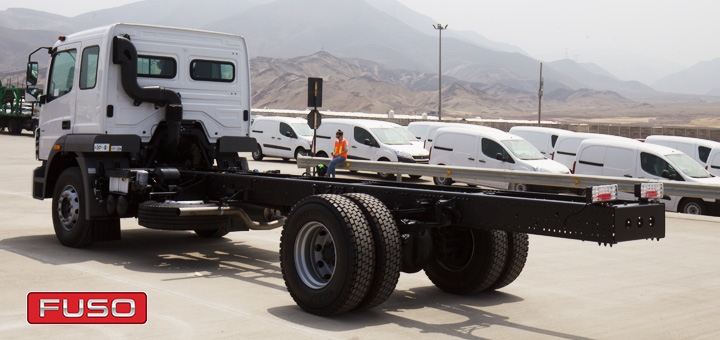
(232, 287)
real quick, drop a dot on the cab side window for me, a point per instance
(491, 149)
(62, 74)
(361, 135)
(655, 165)
(704, 152)
(287, 131)
(88, 67)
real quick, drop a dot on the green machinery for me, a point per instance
(14, 114)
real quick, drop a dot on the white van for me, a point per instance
(284, 137)
(713, 162)
(642, 160)
(698, 149)
(488, 148)
(425, 131)
(567, 145)
(543, 138)
(369, 140)
(403, 130)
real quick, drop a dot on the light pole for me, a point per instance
(440, 28)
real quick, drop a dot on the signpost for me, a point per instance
(314, 118)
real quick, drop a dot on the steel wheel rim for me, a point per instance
(68, 207)
(315, 255)
(692, 209)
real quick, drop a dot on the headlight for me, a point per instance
(403, 154)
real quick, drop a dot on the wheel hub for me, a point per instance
(68, 208)
(315, 255)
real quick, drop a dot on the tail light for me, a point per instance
(430, 154)
(573, 169)
(552, 155)
(602, 193)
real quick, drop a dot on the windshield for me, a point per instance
(405, 133)
(390, 136)
(522, 149)
(302, 129)
(688, 166)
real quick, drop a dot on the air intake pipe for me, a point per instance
(125, 54)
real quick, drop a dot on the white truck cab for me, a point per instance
(94, 87)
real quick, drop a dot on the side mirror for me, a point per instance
(367, 142)
(288, 134)
(31, 76)
(666, 174)
(499, 156)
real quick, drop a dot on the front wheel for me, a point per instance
(300, 152)
(327, 254)
(692, 206)
(68, 210)
(257, 154)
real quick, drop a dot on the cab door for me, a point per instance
(364, 146)
(492, 155)
(56, 117)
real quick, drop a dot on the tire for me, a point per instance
(213, 233)
(518, 246)
(467, 260)
(163, 215)
(327, 254)
(257, 154)
(300, 152)
(415, 176)
(385, 175)
(321, 154)
(442, 181)
(692, 206)
(388, 249)
(68, 210)
(14, 126)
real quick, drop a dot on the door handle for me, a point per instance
(272, 137)
(354, 147)
(471, 159)
(481, 160)
(626, 175)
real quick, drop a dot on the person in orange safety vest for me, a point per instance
(339, 153)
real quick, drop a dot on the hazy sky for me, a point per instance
(675, 33)
(68, 8)
(634, 39)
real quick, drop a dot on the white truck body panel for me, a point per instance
(220, 106)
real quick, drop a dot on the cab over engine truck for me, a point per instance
(147, 122)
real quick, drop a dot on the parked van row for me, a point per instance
(287, 137)
(489, 148)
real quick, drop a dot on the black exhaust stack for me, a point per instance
(125, 54)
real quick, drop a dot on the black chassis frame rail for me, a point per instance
(422, 206)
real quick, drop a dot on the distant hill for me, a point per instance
(702, 78)
(361, 85)
(382, 38)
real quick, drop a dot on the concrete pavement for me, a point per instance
(232, 287)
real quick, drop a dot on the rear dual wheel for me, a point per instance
(469, 261)
(339, 253)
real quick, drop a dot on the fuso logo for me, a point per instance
(86, 307)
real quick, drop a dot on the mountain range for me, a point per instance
(382, 39)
